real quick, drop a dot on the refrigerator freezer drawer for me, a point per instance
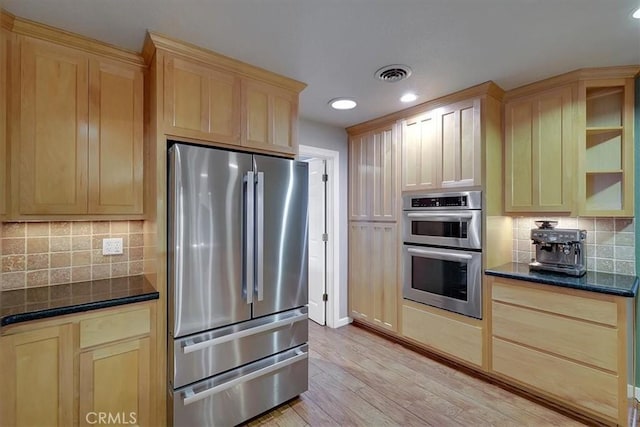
(236, 396)
(210, 353)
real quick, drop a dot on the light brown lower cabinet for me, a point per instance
(373, 273)
(455, 336)
(85, 369)
(570, 346)
(36, 374)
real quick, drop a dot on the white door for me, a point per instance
(317, 246)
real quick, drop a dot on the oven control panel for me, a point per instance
(450, 201)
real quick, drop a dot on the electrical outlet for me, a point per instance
(112, 246)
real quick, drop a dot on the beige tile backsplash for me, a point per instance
(50, 253)
(610, 244)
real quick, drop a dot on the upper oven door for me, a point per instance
(458, 229)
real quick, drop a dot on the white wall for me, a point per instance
(320, 135)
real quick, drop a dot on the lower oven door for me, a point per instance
(446, 278)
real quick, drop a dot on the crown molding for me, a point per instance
(484, 89)
(50, 34)
(617, 72)
(155, 41)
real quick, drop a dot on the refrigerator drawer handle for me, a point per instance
(191, 397)
(439, 255)
(244, 333)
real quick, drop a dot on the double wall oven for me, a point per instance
(442, 251)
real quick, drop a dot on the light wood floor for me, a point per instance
(357, 378)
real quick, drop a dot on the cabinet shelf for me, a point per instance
(604, 171)
(599, 130)
(604, 191)
(600, 92)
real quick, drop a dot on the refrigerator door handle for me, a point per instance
(190, 348)
(260, 236)
(191, 397)
(249, 229)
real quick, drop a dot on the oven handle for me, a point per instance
(439, 216)
(445, 256)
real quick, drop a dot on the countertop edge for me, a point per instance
(76, 308)
(556, 281)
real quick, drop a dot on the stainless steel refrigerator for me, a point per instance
(237, 274)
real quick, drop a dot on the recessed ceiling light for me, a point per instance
(342, 103)
(636, 14)
(408, 97)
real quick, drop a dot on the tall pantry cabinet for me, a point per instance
(373, 228)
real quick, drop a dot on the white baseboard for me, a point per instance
(630, 392)
(342, 322)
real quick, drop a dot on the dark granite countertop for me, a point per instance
(606, 283)
(21, 305)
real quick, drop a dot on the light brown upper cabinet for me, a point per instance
(459, 137)
(569, 144)
(271, 117)
(115, 138)
(54, 140)
(539, 151)
(78, 144)
(605, 185)
(441, 147)
(419, 152)
(372, 175)
(202, 96)
(201, 101)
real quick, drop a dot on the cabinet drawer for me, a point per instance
(456, 338)
(574, 339)
(114, 327)
(605, 312)
(576, 384)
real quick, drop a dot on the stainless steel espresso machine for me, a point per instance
(559, 250)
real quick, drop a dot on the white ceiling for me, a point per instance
(335, 46)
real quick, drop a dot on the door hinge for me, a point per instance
(325, 237)
(325, 177)
(325, 297)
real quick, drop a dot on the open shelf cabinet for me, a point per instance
(606, 172)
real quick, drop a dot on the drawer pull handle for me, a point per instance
(191, 397)
(190, 347)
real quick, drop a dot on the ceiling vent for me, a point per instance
(393, 73)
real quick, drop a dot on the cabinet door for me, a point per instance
(270, 117)
(115, 138)
(382, 163)
(4, 69)
(53, 129)
(37, 378)
(360, 262)
(201, 102)
(373, 273)
(359, 196)
(539, 143)
(115, 380)
(372, 175)
(459, 140)
(419, 153)
(382, 262)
